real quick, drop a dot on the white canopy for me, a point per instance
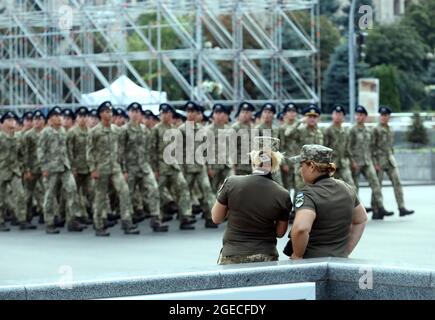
(122, 92)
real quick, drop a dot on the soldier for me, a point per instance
(32, 168)
(169, 175)
(384, 160)
(135, 165)
(288, 145)
(360, 146)
(196, 172)
(103, 160)
(68, 118)
(150, 119)
(243, 129)
(120, 118)
(27, 121)
(10, 172)
(218, 172)
(56, 171)
(335, 137)
(76, 142)
(267, 128)
(93, 119)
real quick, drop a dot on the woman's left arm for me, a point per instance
(300, 232)
(218, 212)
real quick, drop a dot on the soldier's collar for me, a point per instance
(263, 173)
(325, 176)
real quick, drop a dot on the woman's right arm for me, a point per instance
(281, 228)
(359, 219)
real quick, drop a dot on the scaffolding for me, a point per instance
(52, 52)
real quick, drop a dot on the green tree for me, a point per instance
(329, 8)
(420, 15)
(417, 133)
(389, 91)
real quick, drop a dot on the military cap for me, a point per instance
(106, 105)
(219, 107)
(82, 111)
(385, 110)
(9, 115)
(266, 143)
(339, 108)
(180, 115)
(68, 113)
(38, 114)
(93, 113)
(135, 106)
(121, 113)
(311, 110)
(289, 107)
(268, 106)
(361, 109)
(148, 113)
(313, 152)
(280, 115)
(257, 114)
(190, 105)
(246, 106)
(28, 115)
(166, 107)
(55, 111)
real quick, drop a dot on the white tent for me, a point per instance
(122, 92)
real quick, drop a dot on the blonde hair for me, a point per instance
(259, 157)
(328, 168)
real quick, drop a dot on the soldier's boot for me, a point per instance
(3, 228)
(59, 221)
(171, 208)
(27, 226)
(404, 212)
(196, 209)
(139, 216)
(51, 229)
(109, 223)
(113, 216)
(85, 220)
(14, 221)
(369, 209)
(129, 228)
(186, 224)
(379, 213)
(41, 219)
(74, 226)
(158, 226)
(102, 233)
(167, 217)
(210, 224)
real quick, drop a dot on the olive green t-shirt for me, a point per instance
(254, 203)
(333, 201)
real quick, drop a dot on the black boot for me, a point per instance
(102, 233)
(139, 216)
(3, 228)
(158, 226)
(85, 220)
(378, 214)
(59, 222)
(196, 209)
(405, 212)
(109, 223)
(41, 219)
(167, 217)
(113, 216)
(14, 221)
(129, 228)
(74, 226)
(210, 224)
(186, 224)
(27, 226)
(51, 229)
(368, 209)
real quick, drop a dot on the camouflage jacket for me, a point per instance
(383, 146)
(336, 139)
(134, 149)
(52, 150)
(30, 151)
(102, 149)
(246, 136)
(195, 166)
(304, 135)
(77, 140)
(9, 157)
(288, 144)
(360, 145)
(220, 146)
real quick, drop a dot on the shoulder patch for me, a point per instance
(299, 199)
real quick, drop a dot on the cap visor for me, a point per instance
(296, 159)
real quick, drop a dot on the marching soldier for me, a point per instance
(93, 119)
(243, 130)
(135, 165)
(10, 172)
(335, 137)
(170, 176)
(383, 145)
(360, 146)
(68, 118)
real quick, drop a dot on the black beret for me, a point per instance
(339, 108)
(190, 105)
(28, 115)
(219, 107)
(106, 105)
(82, 111)
(245, 106)
(93, 113)
(268, 106)
(55, 111)
(135, 106)
(9, 115)
(385, 110)
(68, 113)
(289, 107)
(311, 109)
(166, 107)
(361, 109)
(38, 114)
(121, 113)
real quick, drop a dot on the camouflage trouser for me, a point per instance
(220, 174)
(207, 200)
(17, 197)
(165, 197)
(146, 186)
(85, 192)
(393, 174)
(370, 174)
(54, 183)
(246, 259)
(176, 182)
(101, 192)
(288, 179)
(345, 174)
(34, 192)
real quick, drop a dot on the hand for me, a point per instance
(125, 176)
(377, 167)
(156, 174)
(295, 257)
(95, 175)
(355, 166)
(74, 172)
(285, 168)
(45, 174)
(210, 173)
(28, 176)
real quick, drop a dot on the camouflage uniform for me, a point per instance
(289, 148)
(54, 159)
(170, 176)
(10, 176)
(383, 155)
(134, 146)
(246, 259)
(196, 173)
(336, 139)
(242, 168)
(361, 152)
(103, 157)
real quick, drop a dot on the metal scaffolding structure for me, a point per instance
(51, 52)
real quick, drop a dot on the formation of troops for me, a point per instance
(98, 167)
